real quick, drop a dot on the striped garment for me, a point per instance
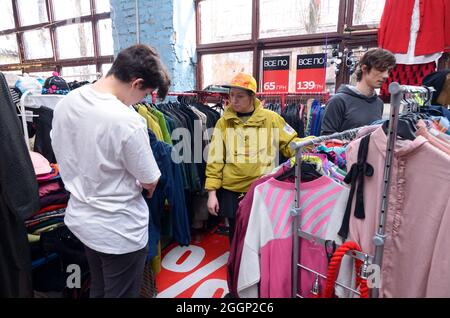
(319, 201)
(267, 253)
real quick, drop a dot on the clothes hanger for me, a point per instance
(308, 172)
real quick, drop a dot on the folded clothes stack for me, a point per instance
(52, 195)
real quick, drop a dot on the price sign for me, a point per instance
(197, 270)
(276, 73)
(311, 73)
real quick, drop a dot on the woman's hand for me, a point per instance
(213, 203)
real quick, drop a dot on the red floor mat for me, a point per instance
(195, 271)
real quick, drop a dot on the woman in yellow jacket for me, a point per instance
(245, 145)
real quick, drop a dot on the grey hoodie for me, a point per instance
(350, 109)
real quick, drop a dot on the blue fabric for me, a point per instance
(170, 187)
(435, 110)
(322, 114)
(317, 120)
(315, 110)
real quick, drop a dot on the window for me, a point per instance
(71, 9)
(357, 54)
(79, 73)
(223, 21)
(9, 50)
(43, 75)
(106, 39)
(75, 40)
(330, 78)
(266, 28)
(368, 12)
(6, 15)
(219, 69)
(106, 68)
(32, 12)
(297, 17)
(50, 38)
(37, 39)
(102, 6)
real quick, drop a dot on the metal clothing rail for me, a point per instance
(296, 211)
(284, 95)
(397, 93)
(201, 94)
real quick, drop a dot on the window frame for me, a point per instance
(55, 63)
(346, 36)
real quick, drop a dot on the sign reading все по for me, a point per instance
(276, 73)
(311, 73)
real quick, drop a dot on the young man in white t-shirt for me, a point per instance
(105, 161)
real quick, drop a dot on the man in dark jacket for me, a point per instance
(356, 106)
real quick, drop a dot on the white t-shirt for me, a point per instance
(103, 152)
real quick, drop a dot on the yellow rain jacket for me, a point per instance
(239, 152)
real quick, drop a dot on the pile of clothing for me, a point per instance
(53, 198)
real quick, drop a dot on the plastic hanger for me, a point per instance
(308, 171)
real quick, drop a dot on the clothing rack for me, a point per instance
(397, 93)
(323, 96)
(201, 95)
(24, 102)
(297, 232)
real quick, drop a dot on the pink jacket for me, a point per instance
(416, 259)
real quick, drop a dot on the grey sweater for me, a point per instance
(350, 109)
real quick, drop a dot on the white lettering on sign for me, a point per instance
(195, 257)
(311, 61)
(269, 86)
(208, 288)
(306, 85)
(274, 63)
(195, 277)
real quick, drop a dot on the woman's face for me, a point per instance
(241, 101)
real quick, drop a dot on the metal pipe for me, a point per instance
(295, 224)
(379, 239)
(338, 135)
(24, 118)
(324, 277)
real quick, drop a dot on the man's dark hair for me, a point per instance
(141, 61)
(378, 58)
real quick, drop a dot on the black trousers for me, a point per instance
(116, 276)
(228, 206)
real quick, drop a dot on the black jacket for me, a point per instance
(19, 199)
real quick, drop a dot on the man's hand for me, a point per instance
(150, 187)
(213, 203)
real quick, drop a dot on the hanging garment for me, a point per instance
(169, 187)
(43, 124)
(406, 75)
(292, 115)
(436, 142)
(313, 256)
(19, 199)
(267, 253)
(434, 30)
(152, 123)
(418, 216)
(356, 176)
(241, 225)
